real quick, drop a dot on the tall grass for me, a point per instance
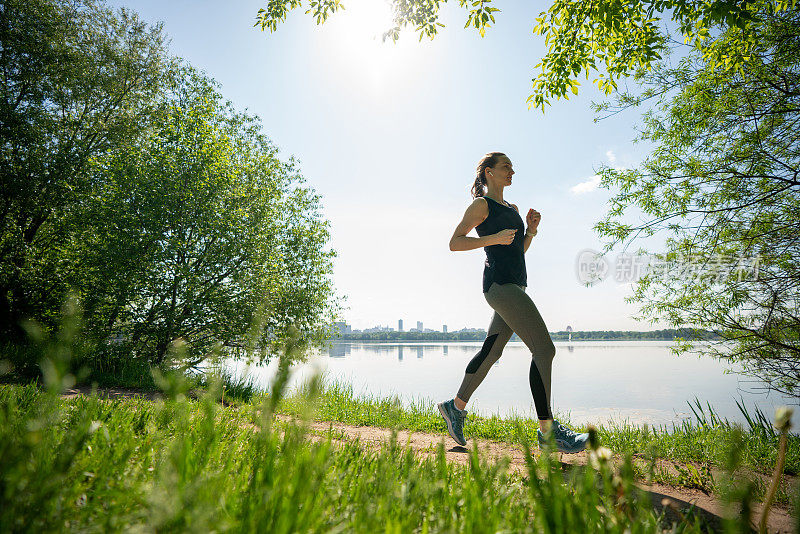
(181, 465)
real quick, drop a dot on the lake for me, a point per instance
(600, 382)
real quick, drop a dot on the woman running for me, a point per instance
(505, 240)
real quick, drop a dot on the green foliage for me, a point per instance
(617, 38)
(422, 15)
(77, 81)
(722, 183)
(128, 181)
(194, 227)
(611, 37)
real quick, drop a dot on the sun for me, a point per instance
(366, 19)
(353, 44)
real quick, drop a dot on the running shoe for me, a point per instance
(566, 439)
(455, 420)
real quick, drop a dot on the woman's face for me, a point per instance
(501, 173)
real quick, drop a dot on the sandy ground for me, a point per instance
(676, 499)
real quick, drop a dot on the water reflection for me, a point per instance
(343, 349)
(339, 350)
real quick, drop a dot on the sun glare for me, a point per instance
(354, 47)
(369, 18)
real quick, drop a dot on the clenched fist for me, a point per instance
(532, 219)
(504, 237)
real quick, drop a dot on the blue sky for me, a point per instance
(390, 135)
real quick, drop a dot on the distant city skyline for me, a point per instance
(379, 327)
(343, 327)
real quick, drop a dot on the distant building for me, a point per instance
(419, 326)
(444, 328)
(379, 328)
(399, 325)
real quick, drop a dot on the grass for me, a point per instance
(702, 441)
(21, 363)
(181, 465)
(693, 454)
(188, 465)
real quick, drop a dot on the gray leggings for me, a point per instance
(514, 311)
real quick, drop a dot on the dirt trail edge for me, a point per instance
(425, 444)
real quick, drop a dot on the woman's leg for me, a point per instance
(496, 338)
(453, 410)
(520, 313)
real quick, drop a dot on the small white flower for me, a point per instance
(604, 453)
(783, 418)
(600, 457)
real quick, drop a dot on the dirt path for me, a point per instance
(425, 444)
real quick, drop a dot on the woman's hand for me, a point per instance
(504, 237)
(532, 219)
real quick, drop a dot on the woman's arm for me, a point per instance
(476, 213)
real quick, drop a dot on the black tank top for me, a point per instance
(504, 263)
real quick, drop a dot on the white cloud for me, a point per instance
(586, 187)
(611, 156)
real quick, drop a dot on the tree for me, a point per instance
(125, 178)
(723, 183)
(582, 36)
(194, 228)
(76, 80)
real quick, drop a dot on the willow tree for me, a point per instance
(723, 185)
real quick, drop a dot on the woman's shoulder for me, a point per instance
(479, 208)
(480, 204)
